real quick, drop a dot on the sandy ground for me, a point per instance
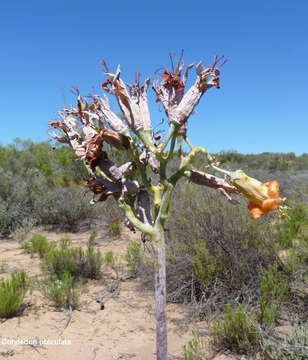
(124, 329)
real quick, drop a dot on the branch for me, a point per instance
(201, 178)
(187, 160)
(164, 205)
(128, 211)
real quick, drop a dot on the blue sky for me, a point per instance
(49, 46)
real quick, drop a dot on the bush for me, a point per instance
(236, 331)
(292, 347)
(292, 226)
(12, 293)
(75, 261)
(116, 228)
(274, 291)
(66, 207)
(62, 291)
(214, 258)
(133, 256)
(38, 244)
(197, 348)
(113, 262)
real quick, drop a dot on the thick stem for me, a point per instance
(158, 243)
(159, 249)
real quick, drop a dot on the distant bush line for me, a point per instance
(40, 184)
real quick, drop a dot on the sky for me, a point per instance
(49, 46)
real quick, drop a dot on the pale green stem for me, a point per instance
(146, 137)
(174, 137)
(180, 140)
(102, 174)
(231, 174)
(145, 228)
(189, 143)
(164, 205)
(156, 191)
(173, 129)
(187, 161)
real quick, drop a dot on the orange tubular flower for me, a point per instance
(263, 197)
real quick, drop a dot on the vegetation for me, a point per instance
(133, 257)
(214, 262)
(12, 293)
(62, 291)
(198, 348)
(76, 261)
(41, 185)
(293, 347)
(237, 331)
(38, 244)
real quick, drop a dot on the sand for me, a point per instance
(124, 329)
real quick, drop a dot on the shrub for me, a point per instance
(197, 348)
(113, 261)
(292, 347)
(12, 293)
(236, 331)
(66, 207)
(133, 256)
(292, 226)
(116, 228)
(273, 291)
(62, 291)
(94, 261)
(215, 258)
(38, 244)
(75, 261)
(23, 229)
(204, 266)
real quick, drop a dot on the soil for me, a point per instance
(124, 329)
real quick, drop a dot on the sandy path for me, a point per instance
(125, 329)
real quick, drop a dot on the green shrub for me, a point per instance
(62, 291)
(113, 261)
(93, 263)
(274, 291)
(75, 261)
(109, 258)
(12, 293)
(291, 227)
(236, 331)
(116, 228)
(204, 266)
(197, 348)
(38, 244)
(93, 236)
(133, 256)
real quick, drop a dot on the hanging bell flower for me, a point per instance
(264, 197)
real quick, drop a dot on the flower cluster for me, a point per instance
(264, 197)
